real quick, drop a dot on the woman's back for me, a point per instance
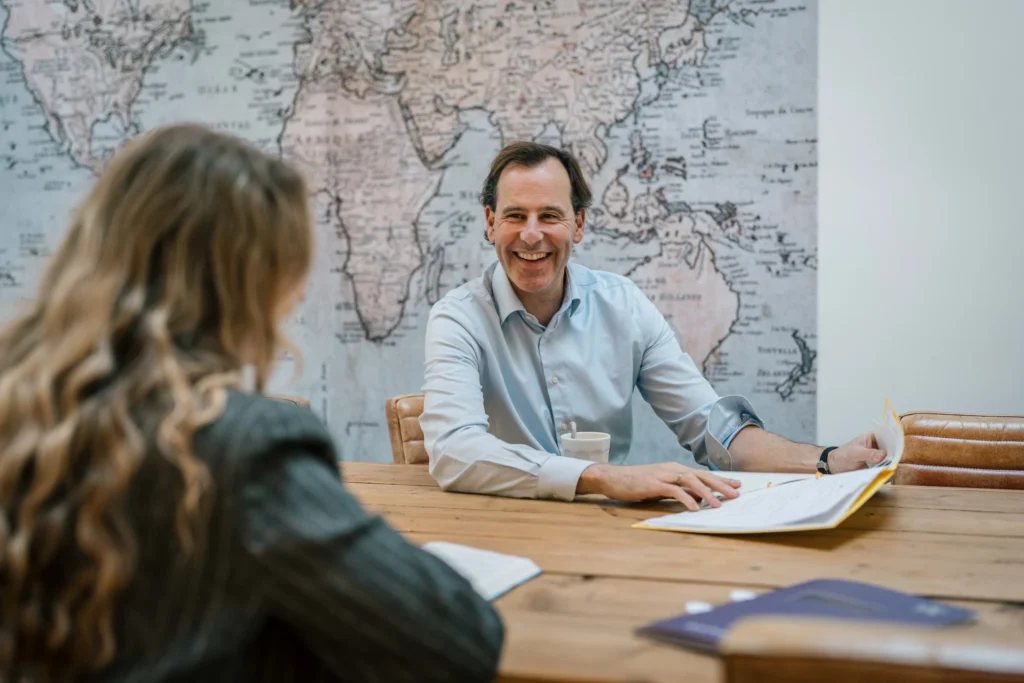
(296, 578)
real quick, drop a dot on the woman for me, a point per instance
(160, 524)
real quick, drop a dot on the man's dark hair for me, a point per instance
(531, 155)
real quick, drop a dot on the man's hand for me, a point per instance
(665, 480)
(857, 454)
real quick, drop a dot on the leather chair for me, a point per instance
(403, 414)
(297, 400)
(976, 451)
(784, 649)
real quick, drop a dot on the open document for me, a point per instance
(785, 502)
(491, 574)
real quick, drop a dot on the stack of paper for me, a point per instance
(794, 502)
(491, 574)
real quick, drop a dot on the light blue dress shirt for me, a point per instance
(500, 388)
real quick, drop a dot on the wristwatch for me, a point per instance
(823, 460)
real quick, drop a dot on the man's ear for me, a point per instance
(489, 217)
(577, 233)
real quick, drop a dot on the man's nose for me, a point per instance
(531, 233)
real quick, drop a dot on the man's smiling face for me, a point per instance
(533, 227)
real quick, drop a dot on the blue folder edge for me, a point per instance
(829, 598)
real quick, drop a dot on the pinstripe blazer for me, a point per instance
(297, 581)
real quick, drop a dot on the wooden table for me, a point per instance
(602, 579)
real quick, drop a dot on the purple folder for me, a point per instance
(821, 598)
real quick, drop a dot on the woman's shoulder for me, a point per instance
(253, 423)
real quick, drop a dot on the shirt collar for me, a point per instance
(508, 302)
(504, 296)
(572, 291)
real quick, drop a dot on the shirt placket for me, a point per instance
(554, 368)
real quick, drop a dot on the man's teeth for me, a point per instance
(530, 257)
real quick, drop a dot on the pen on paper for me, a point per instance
(704, 504)
(790, 481)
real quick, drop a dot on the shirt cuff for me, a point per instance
(728, 416)
(559, 476)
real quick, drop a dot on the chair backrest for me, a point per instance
(977, 451)
(297, 400)
(403, 413)
(784, 649)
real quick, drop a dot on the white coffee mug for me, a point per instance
(593, 446)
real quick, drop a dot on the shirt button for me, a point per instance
(554, 380)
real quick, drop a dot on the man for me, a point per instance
(534, 343)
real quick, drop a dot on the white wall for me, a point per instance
(921, 261)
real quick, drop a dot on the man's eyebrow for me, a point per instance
(556, 209)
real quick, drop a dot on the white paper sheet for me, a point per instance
(776, 507)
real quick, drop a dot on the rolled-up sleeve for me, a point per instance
(704, 423)
(463, 455)
(727, 416)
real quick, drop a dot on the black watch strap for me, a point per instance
(823, 460)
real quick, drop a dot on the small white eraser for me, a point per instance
(739, 595)
(697, 607)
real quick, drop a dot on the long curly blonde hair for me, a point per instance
(172, 277)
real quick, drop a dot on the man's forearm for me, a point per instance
(756, 450)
